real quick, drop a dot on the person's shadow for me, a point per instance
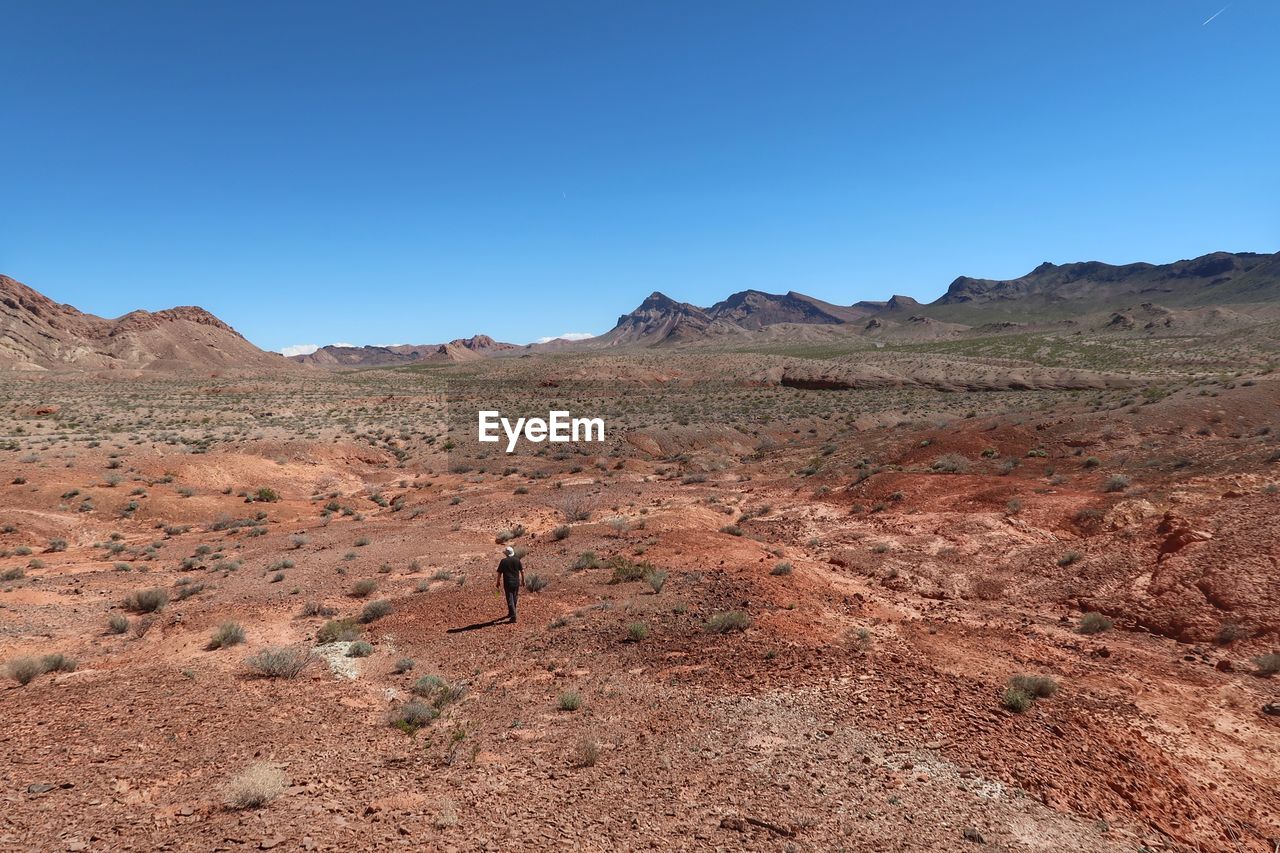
(477, 626)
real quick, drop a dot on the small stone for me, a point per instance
(39, 788)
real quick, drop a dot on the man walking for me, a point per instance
(510, 579)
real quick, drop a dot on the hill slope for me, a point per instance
(40, 335)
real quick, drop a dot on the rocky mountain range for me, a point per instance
(1217, 292)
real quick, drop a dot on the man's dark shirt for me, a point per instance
(510, 570)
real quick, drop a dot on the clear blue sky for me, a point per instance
(380, 172)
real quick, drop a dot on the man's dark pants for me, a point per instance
(513, 593)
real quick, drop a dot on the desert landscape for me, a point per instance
(998, 572)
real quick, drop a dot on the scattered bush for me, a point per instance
(280, 661)
(58, 662)
(586, 753)
(24, 670)
(147, 600)
(951, 463)
(375, 610)
(570, 700)
(403, 665)
(1268, 664)
(413, 716)
(725, 623)
(1116, 483)
(1070, 558)
(228, 634)
(338, 631)
(637, 631)
(117, 624)
(626, 570)
(561, 532)
(1035, 686)
(1016, 700)
(266, 495)
(535, 582)
(258, 785)
(359, 649)
(57, 544)
(657, 580)
(364, 588)
(586, 560)
(1094, 623)
(437, 691)
(781, 570)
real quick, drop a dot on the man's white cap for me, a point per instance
(509, 551)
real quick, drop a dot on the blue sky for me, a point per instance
(412, 172)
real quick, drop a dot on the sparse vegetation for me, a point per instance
(280, 661)
(729, 622)
(1094, 623)
(254, 787)
(228, 634)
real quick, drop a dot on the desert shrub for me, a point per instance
(147, 600)
(1036, 686)
(1016, 700)
(364, 588)
(228, 634)
(338, 631)
(266, 495)
(1070, 558)
(950, 463)
(315, 608)
(576, 508)
(535, 582)
(13, 574)
(437, 691)
(1091, 462)
(187, 590)
(57, 544)
(403, 665)
(781, 570)
(24, 670)
(359, 649)
(586, 753)
(507, 535)
(988, 589)
(586, 560)
(626, 570)
(561, 532)
(117, 624)
(1094, 623)
(637, 631)
(1268, 664)
(1116, 483)
(657, 580)
(280, 661)
(729, 622)
(375, 610)
(58, 662)
(412, 716)
(570, 700)
(258, 785)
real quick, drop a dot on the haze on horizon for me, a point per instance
(396, 172)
